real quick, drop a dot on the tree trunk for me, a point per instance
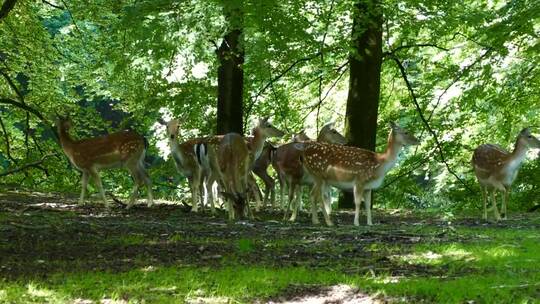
(7, 6)
(230, 81)
(364, 80)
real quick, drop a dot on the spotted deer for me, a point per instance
(353, 168)
(287, 162)
(187, 159)
(121, 149)
(496, 169)
(234, 157)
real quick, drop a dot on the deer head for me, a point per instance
(173, 129)
(527, 139)
(330, 135)
(300, 136)
(267, 129)
(402, 136)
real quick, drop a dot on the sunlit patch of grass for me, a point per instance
(163, 285)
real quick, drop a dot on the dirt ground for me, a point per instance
(46, 233)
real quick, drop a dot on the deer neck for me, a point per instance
(517, 156)
(65, 139)
(388, 158)
(257, 143)
(176, 151)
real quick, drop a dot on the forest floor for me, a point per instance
(52, 250)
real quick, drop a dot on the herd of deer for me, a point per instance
(228, 160)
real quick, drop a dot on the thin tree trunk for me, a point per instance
(364, 80)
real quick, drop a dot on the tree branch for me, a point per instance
(6, 8)
(275, 79)
(426, 123)
(29, 109)
(53, 5)
(35, 164)
(12, 85)
(8, 145)
(403, 47)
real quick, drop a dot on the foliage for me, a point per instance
(113, 64)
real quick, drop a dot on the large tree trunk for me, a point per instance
(230, 82)
(364, 80)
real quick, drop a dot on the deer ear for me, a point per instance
(393, 125)
(526, 131)
(329, 125)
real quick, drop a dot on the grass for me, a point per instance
(69, 254)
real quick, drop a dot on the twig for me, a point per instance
(426, 123)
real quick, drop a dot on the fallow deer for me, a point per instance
(121, 149)
(187, 157)
(260, 167)
(288, 164)
(354, 168)
(234, 158)
(496, 169)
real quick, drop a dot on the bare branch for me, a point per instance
(426, 123)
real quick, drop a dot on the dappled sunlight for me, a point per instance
(333, 294)
(452, 253)
(501, 251)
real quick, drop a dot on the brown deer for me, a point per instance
(287, 162)
(187, 159)
(234, 157)
(121, 149)
(496, 169)
(348, 167)
(260, 167)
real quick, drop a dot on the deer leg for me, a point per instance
(494, 205)
(315, 196)
(84, 182)
(148, 182)
(358, 193)
(194, 182)
(504, 202)
(327, 200)
(99, 185)
(282, 191)
(483, 190)
(136, 175)
(323, 206)
(367, 202)
(291, 204)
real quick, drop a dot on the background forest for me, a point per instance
(456, 73)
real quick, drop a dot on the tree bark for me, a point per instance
(7, 6)
(364, 80)
(231, 78)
